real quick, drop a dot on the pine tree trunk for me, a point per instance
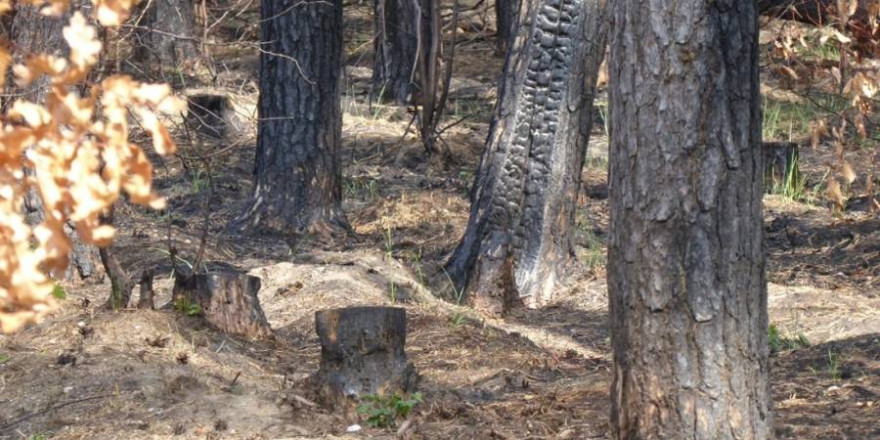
(298, 188)
(686, 272)
(506, 14)
(396, 47)
(518, 240)
(164, 42)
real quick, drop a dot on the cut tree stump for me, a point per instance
(214, 114)
(227, 300)
(362, 353)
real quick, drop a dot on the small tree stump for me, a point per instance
(362, 353)
(227, 300)
(213, 114)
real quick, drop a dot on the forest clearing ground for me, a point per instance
(89, 373)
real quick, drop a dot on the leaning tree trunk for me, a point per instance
(298, 182)
(686, 272)
(396, 47)
(506, 14)
(519, 237)
(164, 42)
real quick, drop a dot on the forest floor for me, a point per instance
(89, 373)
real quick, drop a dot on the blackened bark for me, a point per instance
(145, 301)
(396, 48)
(120, 282)
(686, 272)
(518, 240)
(298, 188)
(506, 14)
(363, 353)
(31, 32)
(164, 41)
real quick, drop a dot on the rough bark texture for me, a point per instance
(120, 283)
(686, 273)
(519, 236)
(227, 300)
(145, 301)
(506, 14)
(164, 42)
(363, 353)
(395, 49)
(298, 182)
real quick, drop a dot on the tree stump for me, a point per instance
(226, 300)
(362, 353)
(214, 115)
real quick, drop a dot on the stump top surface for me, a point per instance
(360, 310)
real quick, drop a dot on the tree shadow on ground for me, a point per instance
(813, 249)
(828, 391)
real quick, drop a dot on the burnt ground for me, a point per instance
(89, 373)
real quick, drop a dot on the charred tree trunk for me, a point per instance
(519, 240)
(145, 301)
(227, 300)
(429, 91)
(120, 282)
(506, 14)
(686, 272)
(396, 48)
(164, 42)
(363, 353)
(298, 182)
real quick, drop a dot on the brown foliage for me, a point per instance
(78, 147)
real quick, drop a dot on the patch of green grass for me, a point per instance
(833, 365)
(416, 262)
(595, 250)
(385, 411)
(199, 181)
(41, 436)
(184, 305)
(361, 188)
(789, 121)
(816, 50)
(4, 358)
(58, 292)
(793, 184)
(457, 318)
(780, 343)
